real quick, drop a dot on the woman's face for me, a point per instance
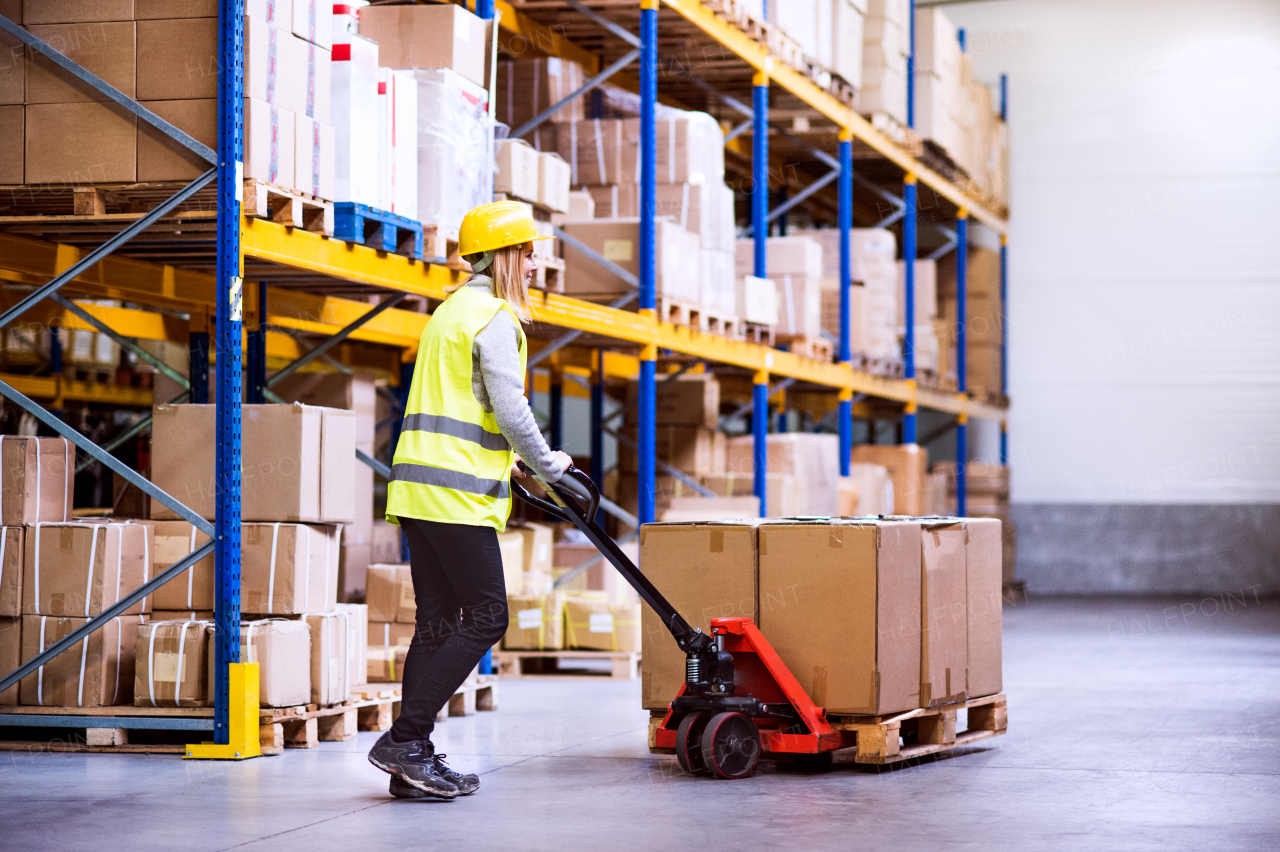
(529, 267)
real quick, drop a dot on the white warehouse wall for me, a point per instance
(1144, 330)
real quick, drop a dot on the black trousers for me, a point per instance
(462, 613)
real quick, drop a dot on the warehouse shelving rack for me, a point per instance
(306, 282)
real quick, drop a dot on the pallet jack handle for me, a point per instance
(576, 499)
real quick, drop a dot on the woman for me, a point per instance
(466, 420)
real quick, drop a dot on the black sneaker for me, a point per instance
(414, 763)
(466, 784)
(401, 789)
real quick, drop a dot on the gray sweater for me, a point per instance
(498, 384)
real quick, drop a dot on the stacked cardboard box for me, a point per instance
(795, 266)
(872, 616)
(907, 466)
(885, 46)
(926, 312)
(165, 55)
(358, 394)
(807, 457)
(847, 30)
(984, 316)
(593, 623)
(986, 496)
(527, 87)
(618, 240)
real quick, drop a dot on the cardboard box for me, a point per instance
(282, 650)
(873, 488)
(12, 133)
(385, 664)
(689, 149)
(554, 180)
(104, 49)
(581, 206)
(288, 569)
(840, 603)
(298, 461)
(705, 570)
(526, 87)
(313, 160)
(537, 622)
(517, 173)
(692, 399)
(162, 159)
(926, 292)
(782, 493)
(907, 465)
(145, 10)
(268, 142)
(181, 615)
(13, 59)
(97, 672)
(944, 636)
(618, 240)
(538, 551)
(386, 542)
(594, 150)
(690, 449)
(74, 11)
(10, 655)
(313, 21)
(810, 458)
(56, 151)
(357, 640)
(11, 559)
(511, 548)
(172, 664)
(455, 146)
(194, 589)
(177, 59)
(757, 300)
(81, 569)
(389, 594)
(983, 576)
(593, 623)
(389, 633)
(427, 37)
(277, 70)
(329, 657)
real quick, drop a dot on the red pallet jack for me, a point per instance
(739, 700)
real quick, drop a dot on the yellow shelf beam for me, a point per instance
(70, 390)
(298, 249)
(802, 87)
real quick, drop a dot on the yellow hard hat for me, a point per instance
(496, 225)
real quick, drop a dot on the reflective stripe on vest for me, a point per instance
(451, 463)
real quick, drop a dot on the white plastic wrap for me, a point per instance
(455, 148)
(398, 142)
(355, 118)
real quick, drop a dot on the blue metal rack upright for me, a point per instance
(760, 233)
(844, 221)
(646, 414)
(909, 304)
(962, 358)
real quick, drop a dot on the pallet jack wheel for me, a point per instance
(689, 743)
(730, 745)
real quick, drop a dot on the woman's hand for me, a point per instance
(516, 471)
(562, 459)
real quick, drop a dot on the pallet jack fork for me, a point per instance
(739, 699)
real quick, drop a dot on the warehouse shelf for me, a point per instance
(212, 267)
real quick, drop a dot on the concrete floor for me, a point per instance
(1132, 725)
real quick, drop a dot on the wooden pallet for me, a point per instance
(98, 200)
(440, 242)
(379, 711)
(697, 317)
(905, 736)
(889, 368)
(898, 132)
(264, 200)
(378, 229)
(990, 397)
(755, 333)
(550, 274)
(818, 348)
(519, 664)
(933, 381)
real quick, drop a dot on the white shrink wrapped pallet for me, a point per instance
(455, 148)
(398, 142)
(757, 300)
(354, 87)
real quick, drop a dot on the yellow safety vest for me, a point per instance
(452, 464)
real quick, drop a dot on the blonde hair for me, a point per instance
(507, 272)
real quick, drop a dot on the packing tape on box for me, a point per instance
(573, 151)
(311, 76)
(271, 64)
(191, 572)
(271, 574)
(604, 174)
(671, 153)
(177, 681)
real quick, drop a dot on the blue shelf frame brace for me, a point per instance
(760, 233)
(962, 359)
(909, 304)
(228, 330)
(845, 223)
(646, 450)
